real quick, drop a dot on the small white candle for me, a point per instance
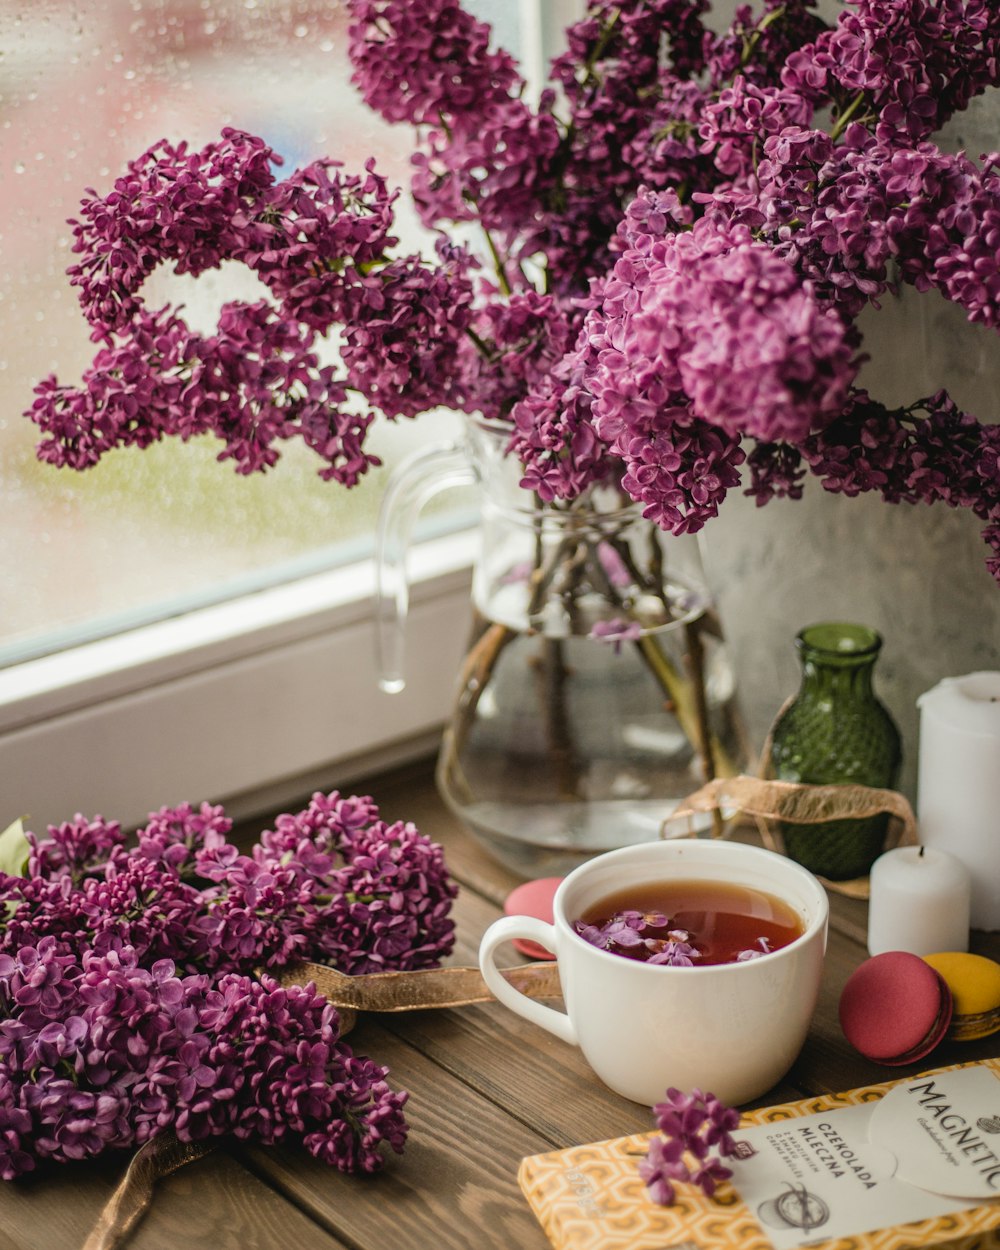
(958, 782)
(919, 902)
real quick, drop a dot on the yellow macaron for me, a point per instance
(974, 982)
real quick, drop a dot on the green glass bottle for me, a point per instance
(836, 731)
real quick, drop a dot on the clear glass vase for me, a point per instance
(596, 691)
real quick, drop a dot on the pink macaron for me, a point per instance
(895, 1008)
(533, 898)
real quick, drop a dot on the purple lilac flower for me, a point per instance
(498, 174)
(661, 1168)
(485, 154)
(623, 930)
(320, 242)
(172, 204)
(757, 45)
(423, 60)
(692, 1126)
(673, 953)
(517, 344)
(132, 394)
(320, 231)
(646, 936)
(668, 151)
(916, 63)
(73, 848)
(173, 836)
(254, 383)
(715, 316)
(676, 466)
(399, 341)
(555, 438)
(759, 949)
(930, 452)
(15, 1127)
(841, 215)
(776, 472)
(129, 1003)
(383, 897)
(608, 76)
(738, 121)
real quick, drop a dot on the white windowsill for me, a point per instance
(241, 702)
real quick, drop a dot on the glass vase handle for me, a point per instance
(411, 486)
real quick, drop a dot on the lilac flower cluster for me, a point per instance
(135, 994)
(709, 325)
(915, 63)
(844, 215)
(696, 1134)
(608, 75)
(680, 235)
(555, 437)
(929, 452)
(320, 242)
(485, 152)
(649, 937)
(101, 1052)
(515, 342)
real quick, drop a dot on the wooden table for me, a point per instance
(486, 1088)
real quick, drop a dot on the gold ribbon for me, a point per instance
(375, 992)
(768, 802)
(157, 1158)
(389, 992)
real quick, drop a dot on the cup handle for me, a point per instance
(506, 930)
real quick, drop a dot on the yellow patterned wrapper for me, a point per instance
(592, 1198)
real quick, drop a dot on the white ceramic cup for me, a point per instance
(732, 1030)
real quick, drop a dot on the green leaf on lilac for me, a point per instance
(14, 850)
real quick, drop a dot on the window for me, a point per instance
(172, 630)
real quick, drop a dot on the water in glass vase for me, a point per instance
(563, 747)
(596, 692)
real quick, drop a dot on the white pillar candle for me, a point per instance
(958, 782)
(919, 902)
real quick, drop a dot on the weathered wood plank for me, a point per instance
(221, 1205)
(213, 1204)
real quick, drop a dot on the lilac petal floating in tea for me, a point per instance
(673, 954)
(762, 948)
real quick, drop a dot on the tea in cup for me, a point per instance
(717, 993)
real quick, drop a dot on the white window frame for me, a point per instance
(250, 702)
(247, 702)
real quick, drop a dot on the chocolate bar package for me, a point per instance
(907, 1163)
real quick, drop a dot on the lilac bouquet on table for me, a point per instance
(136, 987)
(678, 238)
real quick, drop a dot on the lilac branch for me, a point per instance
(692, 1127)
